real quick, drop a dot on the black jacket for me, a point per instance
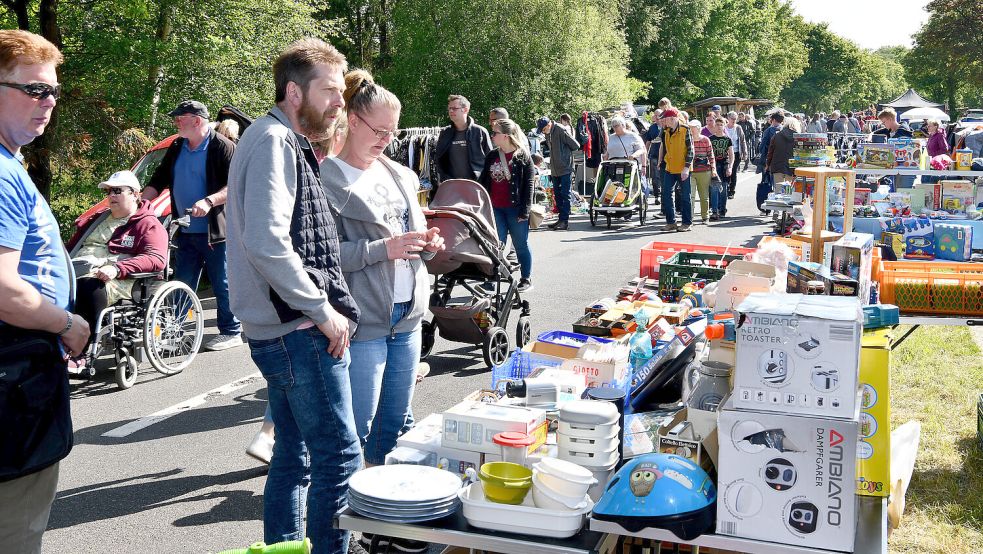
(479, 145)
(780, 151)
(522, 179)
(217, 161)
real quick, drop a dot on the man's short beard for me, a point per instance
(314, 124)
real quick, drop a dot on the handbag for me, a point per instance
(537, 213)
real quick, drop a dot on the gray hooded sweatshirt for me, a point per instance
(368, 270)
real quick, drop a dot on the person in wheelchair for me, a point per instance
(130, 240)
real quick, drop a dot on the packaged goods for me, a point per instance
(953, 242)
(852, 255)
(874, 447)
(798, 354)
(800, 274)
(957, 196)
(471, 425)
(787, 479)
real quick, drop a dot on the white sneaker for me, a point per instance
(261, 447)
(223, 342)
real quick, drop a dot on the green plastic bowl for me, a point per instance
(505, 482)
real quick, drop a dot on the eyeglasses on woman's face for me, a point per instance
(381, 134)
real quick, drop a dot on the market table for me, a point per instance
(872, 225)
(454, 530)
(917, 321)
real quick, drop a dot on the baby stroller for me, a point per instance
(618, 192)
(474, 260)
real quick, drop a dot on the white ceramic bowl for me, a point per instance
(561, 486)
(549, 500)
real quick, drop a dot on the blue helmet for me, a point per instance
(660, 490)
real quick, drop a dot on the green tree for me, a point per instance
(532, 57)
(947, 59)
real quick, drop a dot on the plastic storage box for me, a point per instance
(655, 253)
(933, 287)
(686, 267)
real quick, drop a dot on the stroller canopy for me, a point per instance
(462, 209)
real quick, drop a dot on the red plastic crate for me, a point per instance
(654, 253)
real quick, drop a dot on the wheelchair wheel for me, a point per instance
(126, 372)
(173, 327)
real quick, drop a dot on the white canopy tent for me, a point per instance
(924, 113)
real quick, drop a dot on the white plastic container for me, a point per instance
(590, 460)
(568, 471)
(588, 430)
(586, 444)
(590, 412)
(603, 475)
(524, 518)
(563, 486)
(548, 499)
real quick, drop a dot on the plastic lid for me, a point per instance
(591, 412)
(515, 439)
(610, 394)
(715, 331)
(565, 470)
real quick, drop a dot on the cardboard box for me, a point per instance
(787, 479)
(798, 354)
(598, 373)
(852, 255)
(741, 279)
(690, 434)
(953, 242)
(933, 194)
(471, 425)
(836, 284)
(802, 249)
(895, 241)
(907, 153)
(876, 156)
(957, 196)
(874, 447)
(919, 236)
(426, 437)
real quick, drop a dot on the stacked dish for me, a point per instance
(560, 485)
(404, 493)
(587, 435)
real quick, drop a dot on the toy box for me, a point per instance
(876, 156)
(953, 242)
(470, 425)
(957, 196)
(787, 479)
(836, 284)
(907, 153)
(932, 193)
(852, 255)
(874, 446)
(895, 241)
(919, 236)
(798, 354)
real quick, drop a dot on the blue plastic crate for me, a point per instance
(520, 364)
(565, 338)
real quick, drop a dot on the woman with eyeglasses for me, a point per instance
(384, 240)
(130, 239)
(508, 177)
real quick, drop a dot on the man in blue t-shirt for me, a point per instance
(35, 285)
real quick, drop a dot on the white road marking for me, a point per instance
(144, 422)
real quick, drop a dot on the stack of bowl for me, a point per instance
(560, 485)
(587, 435)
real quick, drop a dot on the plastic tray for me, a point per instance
(524, 518)
(557, 338)
(951, 288)
(655, 253)
(685, 267)
(520, 364)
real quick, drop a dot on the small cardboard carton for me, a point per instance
(798, 354)
(852, 255)
(787, 479)
(691, 434)
(425, 436)
(741, 279)
(471, 425)
(835, 284)
(957, 196)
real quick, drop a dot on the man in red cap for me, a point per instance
(676, 160)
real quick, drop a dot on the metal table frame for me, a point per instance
(918, 321)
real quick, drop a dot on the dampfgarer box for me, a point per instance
(787, 479)
(798, 354)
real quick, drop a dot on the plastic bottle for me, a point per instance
(640, 344)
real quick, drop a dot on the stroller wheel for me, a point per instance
(429, 338)
(495, 348)
(523, 332)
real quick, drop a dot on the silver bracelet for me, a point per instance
(68, 323)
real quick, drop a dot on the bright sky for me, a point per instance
(869, 23)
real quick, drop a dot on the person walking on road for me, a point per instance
(289, 291)
(767, 185)
(676, 159)
(704, 167)
(195, 170)
(736, 134)
(562, 146)
(748, 127)
(508, 178)
(723, 154)
(780, 152)
(36, 322)
(462, 145)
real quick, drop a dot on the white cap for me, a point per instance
(125, 178)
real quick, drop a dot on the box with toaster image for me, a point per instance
(798, 354)
(787, 479)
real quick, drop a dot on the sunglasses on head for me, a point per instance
(116, 190)
(38, 91)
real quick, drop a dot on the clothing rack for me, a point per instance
(414, 148)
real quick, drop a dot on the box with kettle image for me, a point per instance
(798, 354)
(787, 478)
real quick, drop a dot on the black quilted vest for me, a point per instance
(315, 237)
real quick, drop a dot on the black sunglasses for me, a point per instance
(116, 190)
(38, 91)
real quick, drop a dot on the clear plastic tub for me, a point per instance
(524, 518)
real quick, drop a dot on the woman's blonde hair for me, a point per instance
(512, 130)
(362, 95)
(794, 124)
(229, 128)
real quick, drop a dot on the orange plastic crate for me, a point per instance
(654, 253)
(949, 288)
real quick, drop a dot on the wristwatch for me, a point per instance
(209, 202)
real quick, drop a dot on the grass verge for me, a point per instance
(937, 375)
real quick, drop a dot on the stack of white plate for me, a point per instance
(404, 493)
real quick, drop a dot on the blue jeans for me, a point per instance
(719, 190)
(316, 448)
(383, 376)
(507, 222)
(669, 181)
(193, 252)
(561, 195)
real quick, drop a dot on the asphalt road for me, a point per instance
(183, 483)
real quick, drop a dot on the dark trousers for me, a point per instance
(732, 186)
(90, 299)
